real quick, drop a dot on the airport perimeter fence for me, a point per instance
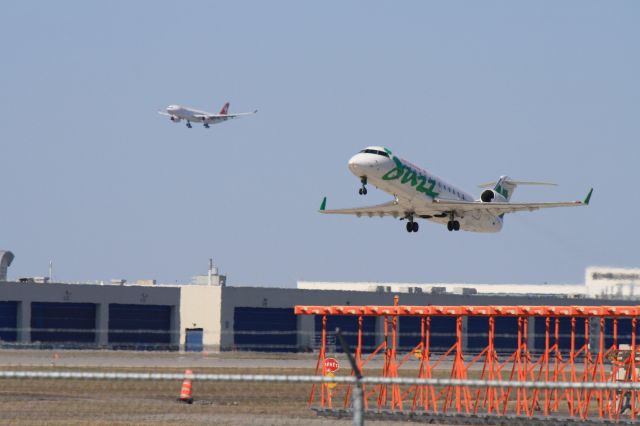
(579, 363)
(125, 397)
(277, 341)
(242, 340)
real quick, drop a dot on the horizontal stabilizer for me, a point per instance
(517, 183)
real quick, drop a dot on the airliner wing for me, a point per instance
(391, 208)
(501, 208)
(223, 116)
(164, 113)
(438, 207)
(240, 114)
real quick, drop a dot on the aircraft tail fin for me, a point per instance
(225, 109)
(505, 185)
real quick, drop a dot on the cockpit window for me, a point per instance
(375, 151)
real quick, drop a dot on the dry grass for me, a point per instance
(69, 402)
(153, 402)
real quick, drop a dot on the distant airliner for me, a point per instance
(176, 113)
(420, 194)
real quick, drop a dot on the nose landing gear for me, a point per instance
(363, 190)
(188, 124)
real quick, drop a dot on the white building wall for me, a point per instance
(200, 308)
(453, 288)
(613, 283)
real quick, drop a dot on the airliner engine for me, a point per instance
(490, 195)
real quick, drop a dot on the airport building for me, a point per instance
(208, 315)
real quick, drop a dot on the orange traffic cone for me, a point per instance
(185, 392)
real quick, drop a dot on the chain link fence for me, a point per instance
(124, 397)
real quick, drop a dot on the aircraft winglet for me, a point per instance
(324, 204)
(586, 200)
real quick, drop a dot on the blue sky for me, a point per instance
(97, 181)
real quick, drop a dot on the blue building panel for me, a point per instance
(8, 321)
(623, 332)
(505, 334)
(443, 333)
(564, 338)
(349, 329)
(63, 324)
(194, 340)
(140, 327)
(265, 329)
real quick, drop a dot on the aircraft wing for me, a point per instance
(223, 116)
(391, 208)
(438, 207)
(501, 208)
(164, 113)
(240, 114)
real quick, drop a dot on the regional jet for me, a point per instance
(419, 194)
(177, 113)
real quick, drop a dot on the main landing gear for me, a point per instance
(363, 190)
(189, 124)
(453, 225)
(411, 225)
(206, 125)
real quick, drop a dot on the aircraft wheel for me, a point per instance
(415, 226)
(360, 191)
(450, 225)
(456, 225)
(364, 191)
(410, 226)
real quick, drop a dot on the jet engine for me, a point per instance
(490, 195)
(175, 119)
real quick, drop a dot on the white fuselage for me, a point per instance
(416, 188)
(192, 115)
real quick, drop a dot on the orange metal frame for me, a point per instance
(586, 361)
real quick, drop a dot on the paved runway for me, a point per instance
(141, 359)
(75, 358)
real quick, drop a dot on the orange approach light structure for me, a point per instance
(583, 357)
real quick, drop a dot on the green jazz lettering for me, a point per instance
(427, 190)
(410, 176)
(396, 172)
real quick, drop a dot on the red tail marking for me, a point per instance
(225, 109)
